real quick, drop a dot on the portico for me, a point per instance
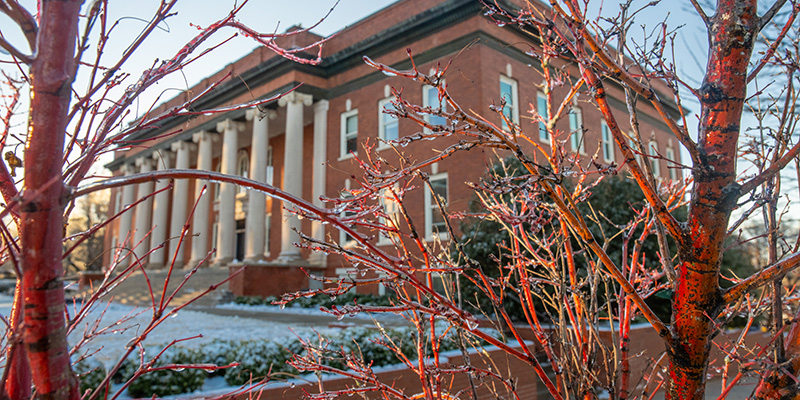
(218, 225)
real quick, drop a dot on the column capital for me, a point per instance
(230, 125)
(321, 106)
(182, 145)
(197, 137)
(258, 113)
(295, 97)
(143, 162)
(127, 169)
(163, 154)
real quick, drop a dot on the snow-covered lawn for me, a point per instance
(109, 347)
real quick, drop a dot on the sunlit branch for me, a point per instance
(761, 278)
(778, 40)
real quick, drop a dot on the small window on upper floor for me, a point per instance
(435, 222)
(430, 98)
(541, 109)
(655, 163)
(388, 125)
(349, 133)
(607, 142)
(576, 130)
(508, 92)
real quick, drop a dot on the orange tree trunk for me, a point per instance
(42, 205)
(697, 296)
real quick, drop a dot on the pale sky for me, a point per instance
(273, 15)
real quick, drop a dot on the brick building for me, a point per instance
(322, 125)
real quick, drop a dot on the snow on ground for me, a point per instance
(111, 345)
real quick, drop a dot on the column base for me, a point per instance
(290, 258)
(318, 259)
(222, 262)
(193, 263)
(254, 259)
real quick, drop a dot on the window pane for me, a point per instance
(506, 94)
(541, 108)
(390, 131)
(434, 103)
(439, 189)
(352, 124)
(575, 129)
(389, 122)
(351, 144)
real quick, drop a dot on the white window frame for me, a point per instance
(343, 153)
(391, 209)
(544, 135)
(431, 207)
(514, 99)
(426, 89)
(267, 236)
(655, 163)
(606, 142)
(673, 172)
(382, 124)
(242, 159)
(577, 139)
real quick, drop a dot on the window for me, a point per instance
(346, 240)
(576, 130)
(608, 142)
(673, 172)
(389, 207)
(655, 163)
(435, 223)
(541, 108)
(242, 169)
(270, 168)
(349, 143)
(508, 92)
(388, 124)
(430, 98)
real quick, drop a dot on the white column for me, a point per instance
(318, 162)
(180, 195)
(292, 171)
(126, 219)
(255, 225)
(144, 209)
(200, 223)
(163, 161)
(226, 224)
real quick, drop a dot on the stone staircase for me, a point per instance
(134, 289)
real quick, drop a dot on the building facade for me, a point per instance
(307, 142)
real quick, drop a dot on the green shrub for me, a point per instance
(91, 374)
(259, 358)
(125, 371)
(170, 382)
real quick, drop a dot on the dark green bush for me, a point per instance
(170, 382)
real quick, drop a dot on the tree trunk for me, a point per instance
(698, 296)
(42, 208)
